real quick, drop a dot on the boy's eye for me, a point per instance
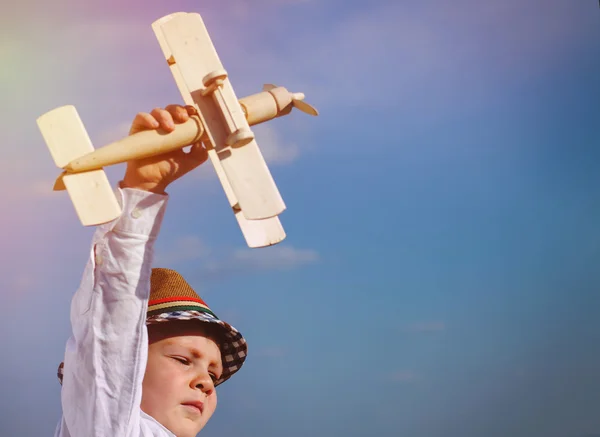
(213, 377)
(182, 360)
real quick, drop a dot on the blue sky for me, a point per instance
(440, 274)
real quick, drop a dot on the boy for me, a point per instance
(146, 353)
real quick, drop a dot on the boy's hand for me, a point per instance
(155, 173)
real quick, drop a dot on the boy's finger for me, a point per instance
(143, 121)
(187, 162)
(178, 112)
(191, 110)
(164, 118)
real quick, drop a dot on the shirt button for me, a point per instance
(136, 213)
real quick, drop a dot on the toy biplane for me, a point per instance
(222, 124)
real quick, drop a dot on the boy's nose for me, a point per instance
(204, 382)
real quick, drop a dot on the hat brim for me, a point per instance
(233, 346)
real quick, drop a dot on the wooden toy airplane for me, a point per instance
(222, 124)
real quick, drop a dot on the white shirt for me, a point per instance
(105, 357)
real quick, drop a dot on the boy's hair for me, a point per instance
(172, 298)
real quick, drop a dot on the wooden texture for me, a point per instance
(257, 233)
(140, 145)
(64, 134)
(195, 56)
(259, 107)
(92, 196)
(273, 101)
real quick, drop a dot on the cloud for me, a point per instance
(274, 149)
(184, 249)
(190, 248)
(276, 258)
(245, 261)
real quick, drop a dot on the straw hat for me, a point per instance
(172, 298)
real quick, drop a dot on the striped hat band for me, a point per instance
(167, 304)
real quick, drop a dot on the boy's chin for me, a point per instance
(186, 425)
(186, 428)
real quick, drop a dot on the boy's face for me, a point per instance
(178, 388)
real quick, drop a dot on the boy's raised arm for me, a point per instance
(105, 356)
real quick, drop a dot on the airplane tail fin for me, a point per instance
(92, 196)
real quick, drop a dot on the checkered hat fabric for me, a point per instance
(172, 298)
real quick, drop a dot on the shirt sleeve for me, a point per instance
(105, 357)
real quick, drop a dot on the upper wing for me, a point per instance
(192, 51)
(257, 233)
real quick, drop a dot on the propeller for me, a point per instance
(297, 101)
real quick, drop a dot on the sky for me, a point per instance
(440, 272)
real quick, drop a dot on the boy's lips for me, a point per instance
(195, 404)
